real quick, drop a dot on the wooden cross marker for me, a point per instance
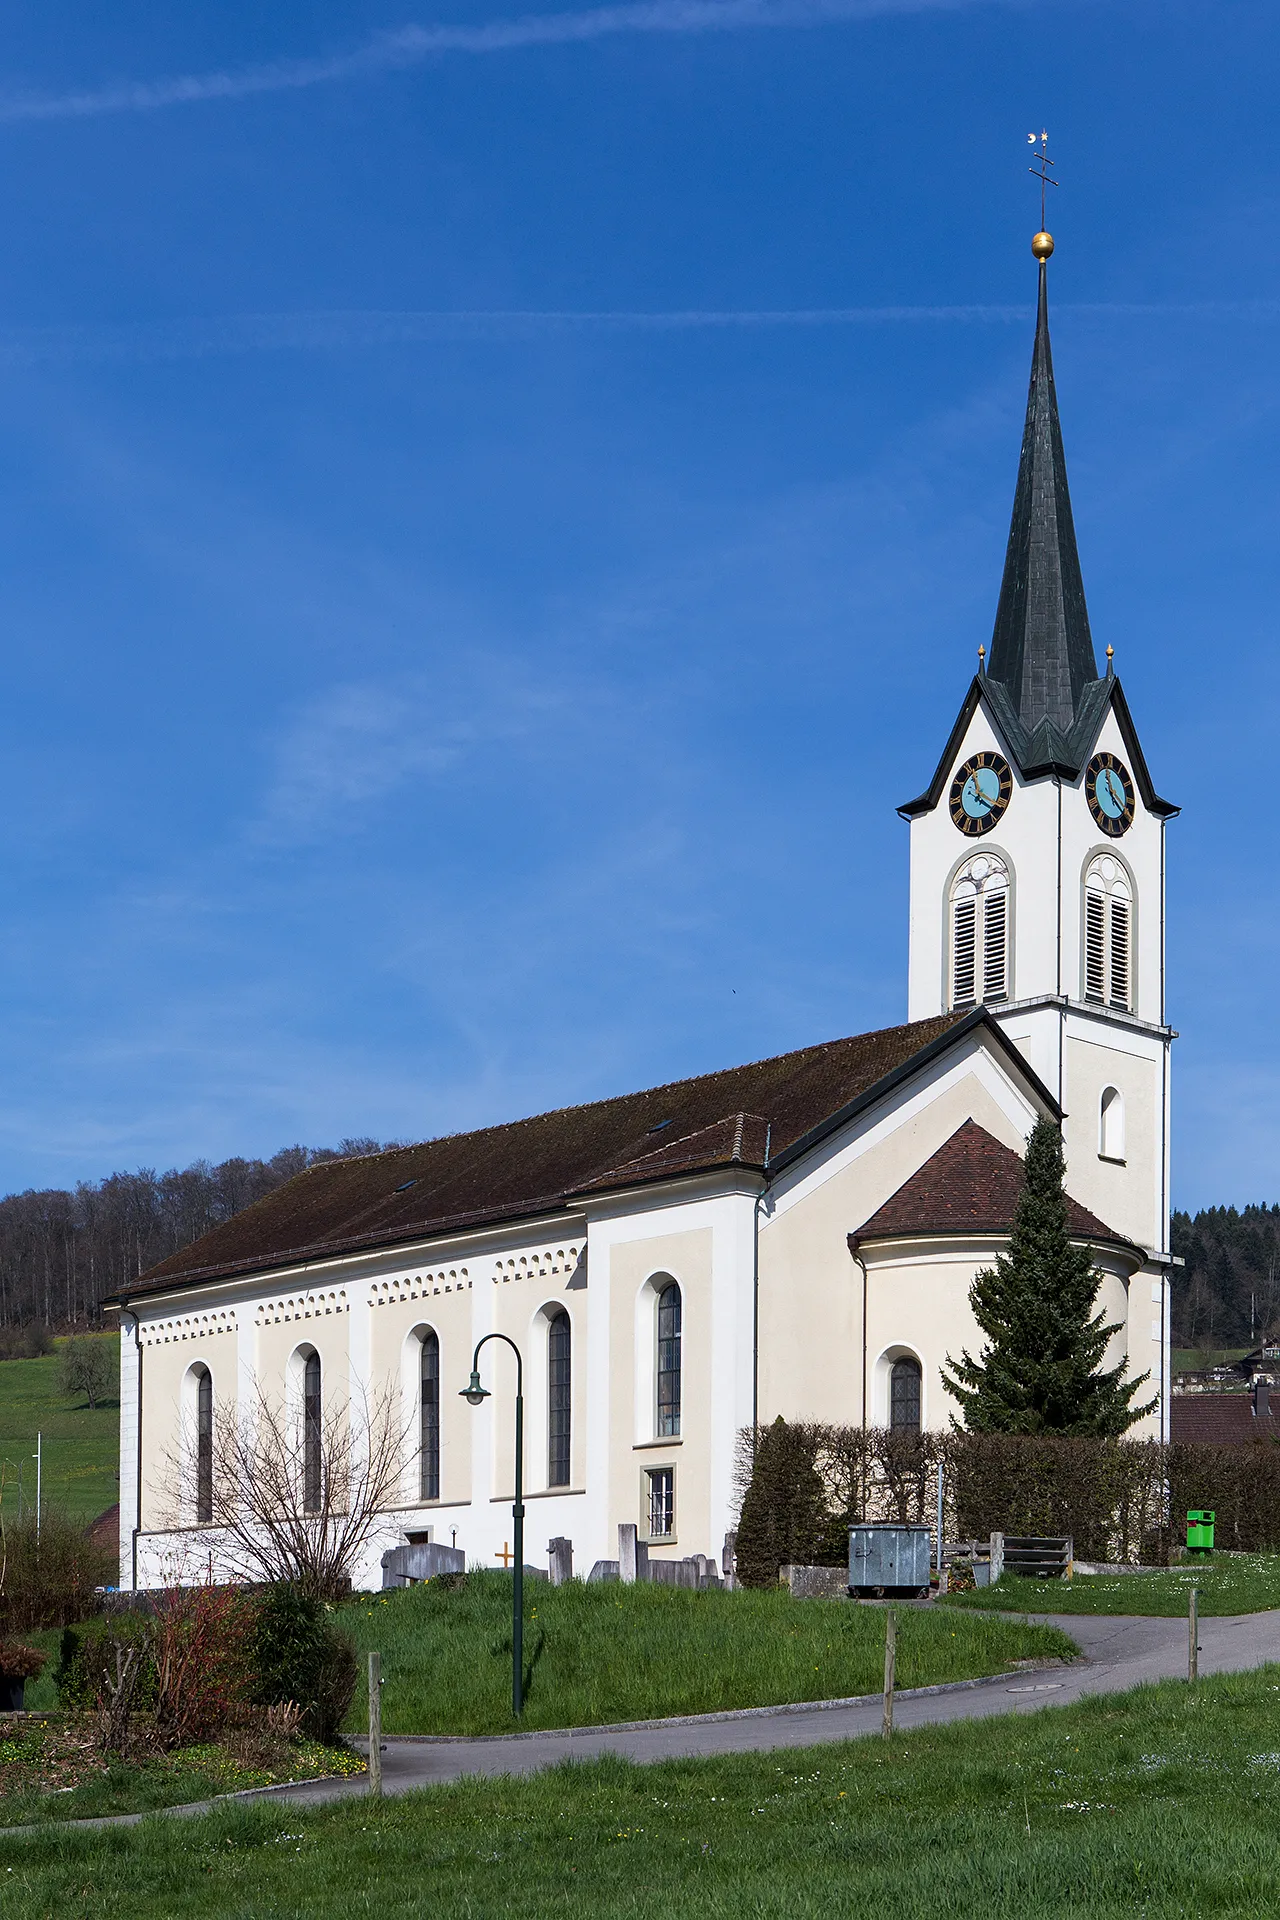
(506, 1556)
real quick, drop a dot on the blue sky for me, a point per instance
(496, 509)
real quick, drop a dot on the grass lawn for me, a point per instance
(1197, 1359)
(81, 1449)
(607, 1652)
(1229, 1583)
(50, 1771)
(1161, 1802)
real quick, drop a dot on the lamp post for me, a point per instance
(475, 1395)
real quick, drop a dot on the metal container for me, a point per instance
(889, 1560)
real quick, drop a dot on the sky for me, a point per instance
(498, 507)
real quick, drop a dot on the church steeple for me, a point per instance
(1041, 648)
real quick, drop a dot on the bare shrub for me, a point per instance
(49, 1573)
(201, 1643)
(295, 1508)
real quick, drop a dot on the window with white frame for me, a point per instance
(981, 923)
(904, 1396)
(1111, 1124)
(662, 1502)
(429, 1437)
(1108, 934)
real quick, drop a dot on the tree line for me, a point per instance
(62, 1252)
(1228, 1294)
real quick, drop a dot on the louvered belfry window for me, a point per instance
(1108, 934)
(981, 932)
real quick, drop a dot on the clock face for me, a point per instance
(1109, 791)
(980, 792)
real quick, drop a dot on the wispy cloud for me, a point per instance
(340, 330)
(410, 46)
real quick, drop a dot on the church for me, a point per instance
(797, 1236)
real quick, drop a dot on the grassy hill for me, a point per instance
(81, 1448)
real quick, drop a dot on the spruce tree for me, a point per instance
(1040, 1370)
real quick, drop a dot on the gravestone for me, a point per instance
(603, 1570)
(633, 1554)
(405, 1566)
(560, 1560)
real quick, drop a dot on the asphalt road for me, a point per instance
(1119, 1652)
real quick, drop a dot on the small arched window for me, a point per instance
(981, 931)
(1108, 934)
(204, 1444)
(669, 1361)
(559, 1399)
(904, 1396)
(1111, 1124)
(429, 1437)
(311, 1474)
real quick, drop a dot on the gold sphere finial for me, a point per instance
(1042, 245)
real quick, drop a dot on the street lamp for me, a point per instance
(475, 1396)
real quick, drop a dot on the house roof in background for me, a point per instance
(539, 1166)
(1218, 1420)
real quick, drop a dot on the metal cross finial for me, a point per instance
(1040, 161)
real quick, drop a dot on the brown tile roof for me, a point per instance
(970, 1185)
(531, 1167)
(1218, 1420)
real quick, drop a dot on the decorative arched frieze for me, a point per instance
(540, 1264)
(187, 1326)
(302, 1306)
(418, 1286)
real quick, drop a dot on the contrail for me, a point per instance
(409, 46)
(151, 340)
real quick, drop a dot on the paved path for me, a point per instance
(1119, 1652)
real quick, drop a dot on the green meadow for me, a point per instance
(1226, 1583)
(80, 1448)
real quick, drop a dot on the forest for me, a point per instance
(1228, 1294)
(62, 1253)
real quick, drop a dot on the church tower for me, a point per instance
(1038, 870)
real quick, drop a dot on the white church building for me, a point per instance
(797, 1236)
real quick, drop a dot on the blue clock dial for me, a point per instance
(980, 792)
(1109, 792)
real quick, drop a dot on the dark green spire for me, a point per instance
(1041, 650)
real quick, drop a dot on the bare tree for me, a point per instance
(295, 1495)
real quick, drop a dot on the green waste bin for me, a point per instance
(1200, 1531)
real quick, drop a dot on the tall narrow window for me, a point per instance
(1108, 934)
(904, 1396)
(204, 1444)
(429, 1440)
(981, 931)
(669, 1361)
(559, 1401)
(311, 1476)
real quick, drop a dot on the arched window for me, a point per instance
(204, 1443)
(311, 1475)
(904, 1396)
(559, 1400)
(429, 1438)
(1111, 1124)
(669, 1361)
(981, 931)
(1108, 934)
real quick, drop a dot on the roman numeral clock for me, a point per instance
(980, 792)
(1109, 791)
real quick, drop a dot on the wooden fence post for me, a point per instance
(375, 1723)
(890, 1652)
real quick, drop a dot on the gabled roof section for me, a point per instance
(1046, 751)
(971, 1185)
(535, 1167)
(1041, 648)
